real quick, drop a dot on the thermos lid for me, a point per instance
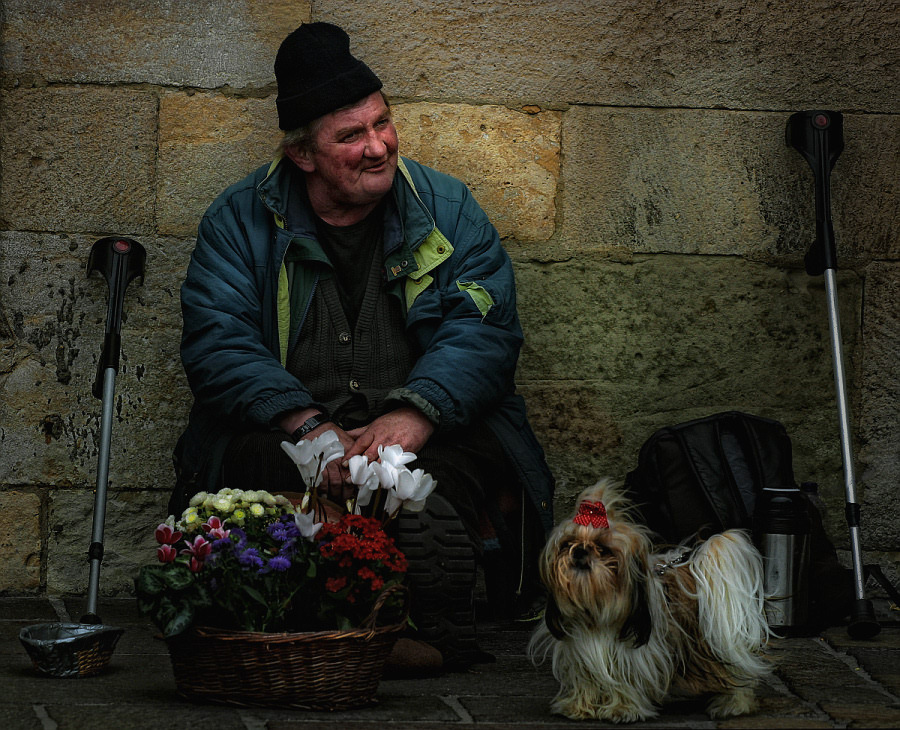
(783, 512)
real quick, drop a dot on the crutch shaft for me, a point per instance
(95, 553)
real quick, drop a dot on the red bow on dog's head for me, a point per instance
(591, 513)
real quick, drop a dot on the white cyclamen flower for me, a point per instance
(391, 459)
(363, 475)
(311, 457)
(411, 491)
(307, 525)
(329, 445)
(395, 455)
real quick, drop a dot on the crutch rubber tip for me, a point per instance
(862, 621)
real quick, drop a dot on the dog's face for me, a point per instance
(594, 565)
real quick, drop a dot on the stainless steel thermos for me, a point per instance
(783, 526)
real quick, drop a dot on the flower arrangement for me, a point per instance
(252, 561)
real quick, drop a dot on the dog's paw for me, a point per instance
(740, 702)
(575, 708)
(625, 713)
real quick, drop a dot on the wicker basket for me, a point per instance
(321, 670)
(70, 649)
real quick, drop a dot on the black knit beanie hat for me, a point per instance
(317, 74)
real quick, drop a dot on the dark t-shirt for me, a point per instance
(350, 249)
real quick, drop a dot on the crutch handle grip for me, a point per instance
(120, 260)
(818, 135)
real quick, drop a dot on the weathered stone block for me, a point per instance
(509, 159)
(693, 181)
(206, 143)
(20, 542)
(128, 541)
(865, 192)
(643, 53)
(629, 348)
(56, 319)
(879, 407)
(207, 43)
(78, 159)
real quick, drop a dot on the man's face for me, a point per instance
(354, 158)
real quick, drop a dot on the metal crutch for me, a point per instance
(120, 260)
(819, 137)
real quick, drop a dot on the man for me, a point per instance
(344, 288)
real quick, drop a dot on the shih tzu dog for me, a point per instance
(626, 627)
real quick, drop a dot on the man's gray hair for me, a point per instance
(303, 138)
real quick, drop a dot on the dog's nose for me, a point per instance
(580, 558)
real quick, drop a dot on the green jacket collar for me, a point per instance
(414, 226)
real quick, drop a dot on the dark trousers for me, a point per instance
(472, 472)
(468, 464)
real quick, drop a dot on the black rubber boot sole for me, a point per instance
(441, 577)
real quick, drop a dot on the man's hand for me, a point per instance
(336, 483)
(406, 426)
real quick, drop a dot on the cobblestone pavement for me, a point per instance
(827, 681)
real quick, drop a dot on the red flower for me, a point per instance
(165, 535)
(215, 528)
(335, 584)
(198, 549)
(359, 555)
(166, 553)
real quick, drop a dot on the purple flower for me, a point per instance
(288, 548)
(278, 564)
(249, 558)
(241, 535)
(277, 531)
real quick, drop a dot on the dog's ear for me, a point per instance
(638, 625)
(553, 619)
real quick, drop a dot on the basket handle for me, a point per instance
(370, 622)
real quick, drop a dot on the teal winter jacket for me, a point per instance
(442, 258)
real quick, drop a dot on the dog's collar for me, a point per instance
(681, 558)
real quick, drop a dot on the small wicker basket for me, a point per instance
(321, 670)
(70, 649)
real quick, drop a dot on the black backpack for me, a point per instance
(705, 476)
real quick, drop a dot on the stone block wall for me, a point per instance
(631, 155)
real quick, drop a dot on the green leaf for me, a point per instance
(255, 595)
(180, 622)
(145, 607)
(202, 597)
(179, 578)
(151, 580)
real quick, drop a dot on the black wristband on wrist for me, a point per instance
(308, 425)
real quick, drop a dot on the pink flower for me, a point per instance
(195, 565)
(198, 549)
(166, 553)
(215, 528)
(165, 535)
